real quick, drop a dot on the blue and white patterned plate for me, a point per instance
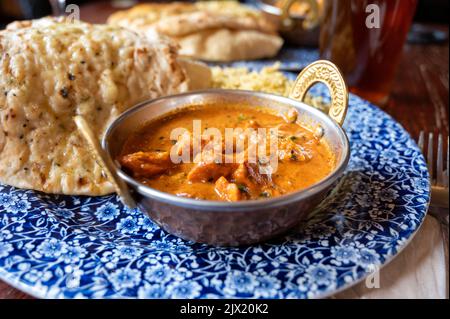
(92, 247)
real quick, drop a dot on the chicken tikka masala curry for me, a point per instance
(303, 158)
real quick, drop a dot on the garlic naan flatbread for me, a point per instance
(52, 70)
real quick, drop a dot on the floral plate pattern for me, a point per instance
(92, 247)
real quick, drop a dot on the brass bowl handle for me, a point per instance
(325, 72)
(310, 21)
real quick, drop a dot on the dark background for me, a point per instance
(434, 11)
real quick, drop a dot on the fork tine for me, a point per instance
(440, 163)
(448, 158)
(430, 156)
(421, 140)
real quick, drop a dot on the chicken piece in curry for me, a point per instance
(302, 158)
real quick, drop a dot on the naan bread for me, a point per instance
(51, 71)
(207, 30)
(198, 73)
(188, 23)
(229, 45)
(145, 14)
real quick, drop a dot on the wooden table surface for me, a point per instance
(419, 101)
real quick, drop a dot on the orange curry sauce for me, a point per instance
(302, 158)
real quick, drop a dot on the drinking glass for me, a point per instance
(365, 39)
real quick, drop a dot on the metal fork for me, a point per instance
(439, 207)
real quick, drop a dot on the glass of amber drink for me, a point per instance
(365, 39)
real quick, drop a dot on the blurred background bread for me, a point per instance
(210, 31)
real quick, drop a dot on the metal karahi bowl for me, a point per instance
(294, 28)
(244, 222)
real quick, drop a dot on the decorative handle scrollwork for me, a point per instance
(327, 73)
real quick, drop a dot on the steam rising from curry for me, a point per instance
(302, 157)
